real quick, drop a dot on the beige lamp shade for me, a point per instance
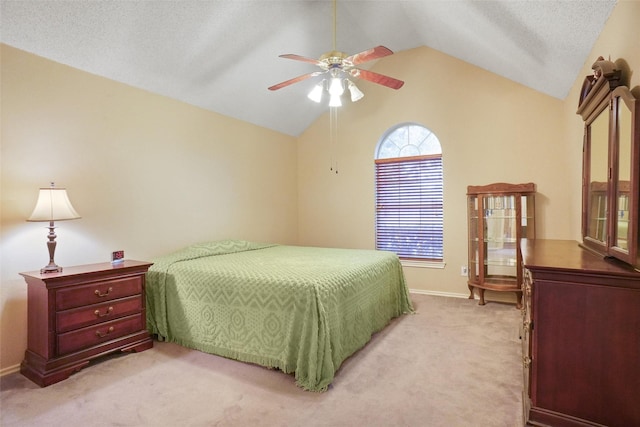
(53, 205)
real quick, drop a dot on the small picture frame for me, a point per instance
(117, 257)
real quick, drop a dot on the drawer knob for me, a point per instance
(97, 292)
(106, 313)
(102, 335)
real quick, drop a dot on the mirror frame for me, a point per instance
(603, 93)
(622, 97)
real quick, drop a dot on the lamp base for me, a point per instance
(51, 268)
(51, 246)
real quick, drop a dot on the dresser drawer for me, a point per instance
(98, 292)
(90, 315)
(92, 335)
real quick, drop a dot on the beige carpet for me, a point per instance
(453, 363)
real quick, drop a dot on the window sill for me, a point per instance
(422, 264)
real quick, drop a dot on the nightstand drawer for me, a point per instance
(92, 335)
(90, 315)
(98, 292)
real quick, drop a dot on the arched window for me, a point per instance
(409, 193)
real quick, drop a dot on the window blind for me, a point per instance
(409, 206)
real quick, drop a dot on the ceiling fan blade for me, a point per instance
(294, 80)
(377, 78)
(300, 58)
(369, 55)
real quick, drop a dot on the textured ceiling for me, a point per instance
(222, 55)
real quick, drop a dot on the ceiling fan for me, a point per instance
(338, 64)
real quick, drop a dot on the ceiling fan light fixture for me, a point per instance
(356, 93)
(316, 93)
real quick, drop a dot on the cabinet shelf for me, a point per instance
(501, 262)
(501, 240)
(499, 283)
(499, 216)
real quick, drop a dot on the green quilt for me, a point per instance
(303, 310)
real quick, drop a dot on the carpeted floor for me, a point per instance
(453, 363)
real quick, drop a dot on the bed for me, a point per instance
(302, 310)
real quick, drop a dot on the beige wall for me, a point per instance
(148, 175)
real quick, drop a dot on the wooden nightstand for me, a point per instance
(82, 313)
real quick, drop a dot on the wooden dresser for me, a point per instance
(581, 337)
(83, 313)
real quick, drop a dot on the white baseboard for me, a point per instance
(9, 370)
(508, 298)
(438, 294)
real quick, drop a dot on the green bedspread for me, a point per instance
(298, 309)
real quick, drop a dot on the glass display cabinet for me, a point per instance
(611, 164)
(499, 215)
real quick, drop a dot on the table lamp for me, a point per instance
(53, 205)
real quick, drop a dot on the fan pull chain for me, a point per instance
(333, 137)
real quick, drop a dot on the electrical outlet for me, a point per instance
(464, 271)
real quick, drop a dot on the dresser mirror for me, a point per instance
(624, 175)
(598, 167)
(611, 165)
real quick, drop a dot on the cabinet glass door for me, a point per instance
(500, 239)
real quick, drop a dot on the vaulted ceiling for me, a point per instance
(222, 55)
